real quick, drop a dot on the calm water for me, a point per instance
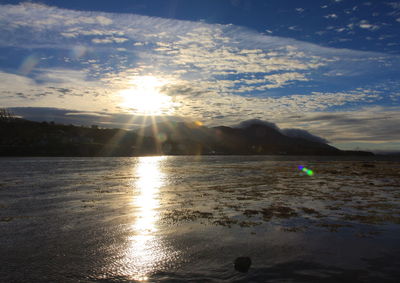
(187, 219)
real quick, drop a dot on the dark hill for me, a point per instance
(253, 139)
(262, 139)
(20, 137)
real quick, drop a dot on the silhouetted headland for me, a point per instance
(19, 137)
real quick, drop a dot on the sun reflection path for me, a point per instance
(146, 251)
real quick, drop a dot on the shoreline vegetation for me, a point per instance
(20, 137)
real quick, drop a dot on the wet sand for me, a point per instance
(188, 218)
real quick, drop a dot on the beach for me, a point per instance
(187, 218)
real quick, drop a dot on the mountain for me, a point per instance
(181, 138)
(20, 137)
(250, 139)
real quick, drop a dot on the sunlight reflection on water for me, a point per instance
(145, 249)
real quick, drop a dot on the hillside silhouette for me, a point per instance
(19, 137)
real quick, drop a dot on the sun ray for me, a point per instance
(110, 145)
(154, 129)
(140, 137)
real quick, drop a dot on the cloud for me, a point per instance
(87, 118)
(74, 32)
(104, 20)
(248, 123)
(295, 28)
(109, 40)
(182, 89)
(295, 133)
(60, 75)
(374, 124)
(282, 79)
(6, 78)
(394, 5)
(299, 133)
(331, 16)
(234, 108)
(364, 24)
(213, 71)
(49, 87)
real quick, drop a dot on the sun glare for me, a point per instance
(146, 249)
(144, 97)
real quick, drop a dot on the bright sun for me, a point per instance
(144, 96)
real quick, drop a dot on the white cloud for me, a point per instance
(59, 75)
(104, 20)
(76, 31)
(109, 40)
(364, 24)
(394, 5)
(42, 17)
(279, 80)
(369, 124)
(213, 70)
(172, 45)
(50, 87)
(331, 16)
(295, 28)
(9, 83)
(230, 107)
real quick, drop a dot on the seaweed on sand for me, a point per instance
(177, 215)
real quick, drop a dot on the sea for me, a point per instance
(188, 218)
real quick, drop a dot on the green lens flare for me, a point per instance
(309, 172)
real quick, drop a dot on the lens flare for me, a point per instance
(78, 51)
(28, 64)
(309, 172)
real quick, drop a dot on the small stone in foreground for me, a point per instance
(242, 264)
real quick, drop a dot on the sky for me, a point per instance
(330, 67)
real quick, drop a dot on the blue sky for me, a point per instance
(330, 67)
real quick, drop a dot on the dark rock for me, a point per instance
(242, 264)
